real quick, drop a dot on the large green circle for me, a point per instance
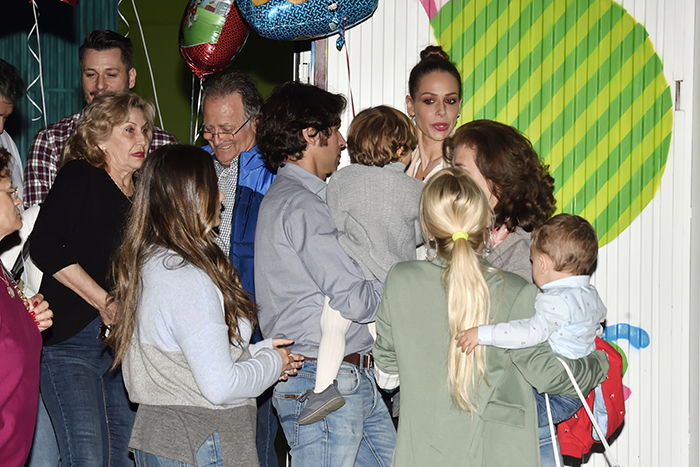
(582, 81)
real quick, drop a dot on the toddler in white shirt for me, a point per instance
(568, 310)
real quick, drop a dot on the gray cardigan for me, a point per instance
(513, 254)
(184, 372)
(376, 212)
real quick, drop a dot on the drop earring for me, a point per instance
(431, 250)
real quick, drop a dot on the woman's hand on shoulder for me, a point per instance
(290, 362)
(40, 311)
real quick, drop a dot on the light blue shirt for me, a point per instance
(298, 262)
(568, 313)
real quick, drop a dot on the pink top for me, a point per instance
(20, 349)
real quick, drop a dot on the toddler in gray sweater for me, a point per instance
(375, 208)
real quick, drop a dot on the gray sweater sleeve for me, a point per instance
(181, 325)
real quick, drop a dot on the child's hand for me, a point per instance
(468, 340)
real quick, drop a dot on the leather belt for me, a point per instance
(359, 360)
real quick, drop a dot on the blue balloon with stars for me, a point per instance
(289, 20)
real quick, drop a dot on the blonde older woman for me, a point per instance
(20, 341)
(77, 231)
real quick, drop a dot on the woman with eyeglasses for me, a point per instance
(184, 332)
(78, 229)
(21, 319)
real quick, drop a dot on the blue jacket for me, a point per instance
(254, 179)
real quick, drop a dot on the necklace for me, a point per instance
(119, 186)
(428, 169)
(11, 290)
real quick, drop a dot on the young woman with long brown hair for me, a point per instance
(185, 323)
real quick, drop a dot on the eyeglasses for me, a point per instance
(13, 192)
(208, 134)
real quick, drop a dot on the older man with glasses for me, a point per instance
(231, 108)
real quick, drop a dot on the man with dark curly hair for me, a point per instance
(299, 262)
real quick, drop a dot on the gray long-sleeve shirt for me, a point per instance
(298, 261)
(376, 211)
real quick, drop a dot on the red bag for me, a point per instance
(575, 434)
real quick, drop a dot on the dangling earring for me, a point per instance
(488, 246)
(431, 250)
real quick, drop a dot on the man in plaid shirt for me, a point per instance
(106, 65)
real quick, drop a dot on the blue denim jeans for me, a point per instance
(268, 424)
(358, 434)
(44, 452)
(266, 431)
(87, 401)
(563, 408)
(546, 450)
(208, 455)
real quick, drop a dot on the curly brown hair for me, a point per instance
(517, 178)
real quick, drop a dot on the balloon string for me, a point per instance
(40, 76)
(119, 11)
(148, 60)
(192, 115)
(199, 107)
(347, 58)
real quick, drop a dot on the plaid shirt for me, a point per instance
(228, 182)
(46, 151)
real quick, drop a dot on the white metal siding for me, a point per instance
(644, 275)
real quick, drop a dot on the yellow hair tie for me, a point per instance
(457, 235)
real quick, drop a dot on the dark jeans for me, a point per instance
(563, 408)
(87, 401)
(268, 424)
(267, 430)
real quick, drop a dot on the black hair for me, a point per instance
(290, 109)
(5, 162)
(107, 40)
(432, 58)
(11, 85)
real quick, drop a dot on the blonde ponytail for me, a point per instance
(455, 211)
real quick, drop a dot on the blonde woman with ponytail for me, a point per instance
(458, 409)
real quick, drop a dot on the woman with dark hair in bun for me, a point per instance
(434, 101)
(517, 184)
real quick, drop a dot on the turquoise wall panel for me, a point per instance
(61, 30)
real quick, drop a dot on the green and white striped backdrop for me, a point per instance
(581, 79)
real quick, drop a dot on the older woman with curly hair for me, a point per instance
(516, 183)
(77, 231)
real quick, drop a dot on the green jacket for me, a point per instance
(412, 341)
